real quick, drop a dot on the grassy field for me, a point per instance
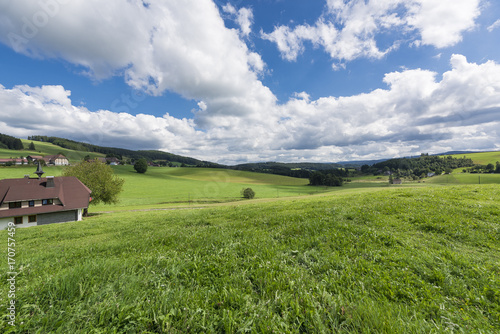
(43, 148)
(482, 158)
(16, 172)
(165, 187)
(465, 178)
(396, 260)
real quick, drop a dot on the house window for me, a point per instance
(47, 202)
(31, 203)
(32, 219)
(18, 220)
(14, 205)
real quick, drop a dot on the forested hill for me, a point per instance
(424, 164)
(121, 153)
(288, 169)
(11, 143)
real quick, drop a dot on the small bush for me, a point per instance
(248, 193)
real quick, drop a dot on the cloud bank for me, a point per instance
(184, 47)
(416, 113)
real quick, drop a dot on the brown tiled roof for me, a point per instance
(69, 190)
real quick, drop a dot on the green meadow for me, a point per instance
(482, 158)
(396, 260)
(162, 187)
(183, 252)
(16, 172)
(465, 178)
(43, 148)
(165, 187)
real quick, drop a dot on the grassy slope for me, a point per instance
(465, 179)
(166, 187)
(47, 149)
(16, 172)
(398, 260)
(482, 158)
(161, 186)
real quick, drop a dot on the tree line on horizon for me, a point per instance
(418, 167)
(413, 168)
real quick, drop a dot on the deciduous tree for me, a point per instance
(99, 178)
(141, 166)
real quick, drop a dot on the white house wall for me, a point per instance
(4, 223)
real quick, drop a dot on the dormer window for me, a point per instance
(15, 205)
(47, 201)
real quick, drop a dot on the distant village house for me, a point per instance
(111, 161)
(56, 160)
(39, 201)
(34, 158)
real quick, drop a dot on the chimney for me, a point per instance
(50, 182)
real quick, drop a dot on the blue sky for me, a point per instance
(239, 81)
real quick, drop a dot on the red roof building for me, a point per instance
(40, 201)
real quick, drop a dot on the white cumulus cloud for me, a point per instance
(419, 111)
(179, 45)
(349, 29)
(183, 46)
(243, 16)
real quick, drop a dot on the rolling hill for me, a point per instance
(421, 260)
(43, 148)
(76, 151)
(481, 158)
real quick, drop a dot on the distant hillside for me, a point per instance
(480, 158)
(456, 152)
(359, 163)
(421, 166)
(14, 147)
(120, 153)
(302, 170)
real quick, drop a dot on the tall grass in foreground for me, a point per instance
(422, 260)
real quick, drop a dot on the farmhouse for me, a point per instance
(397, 181)
(34, 158)
(57, 160)
(40, 201)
